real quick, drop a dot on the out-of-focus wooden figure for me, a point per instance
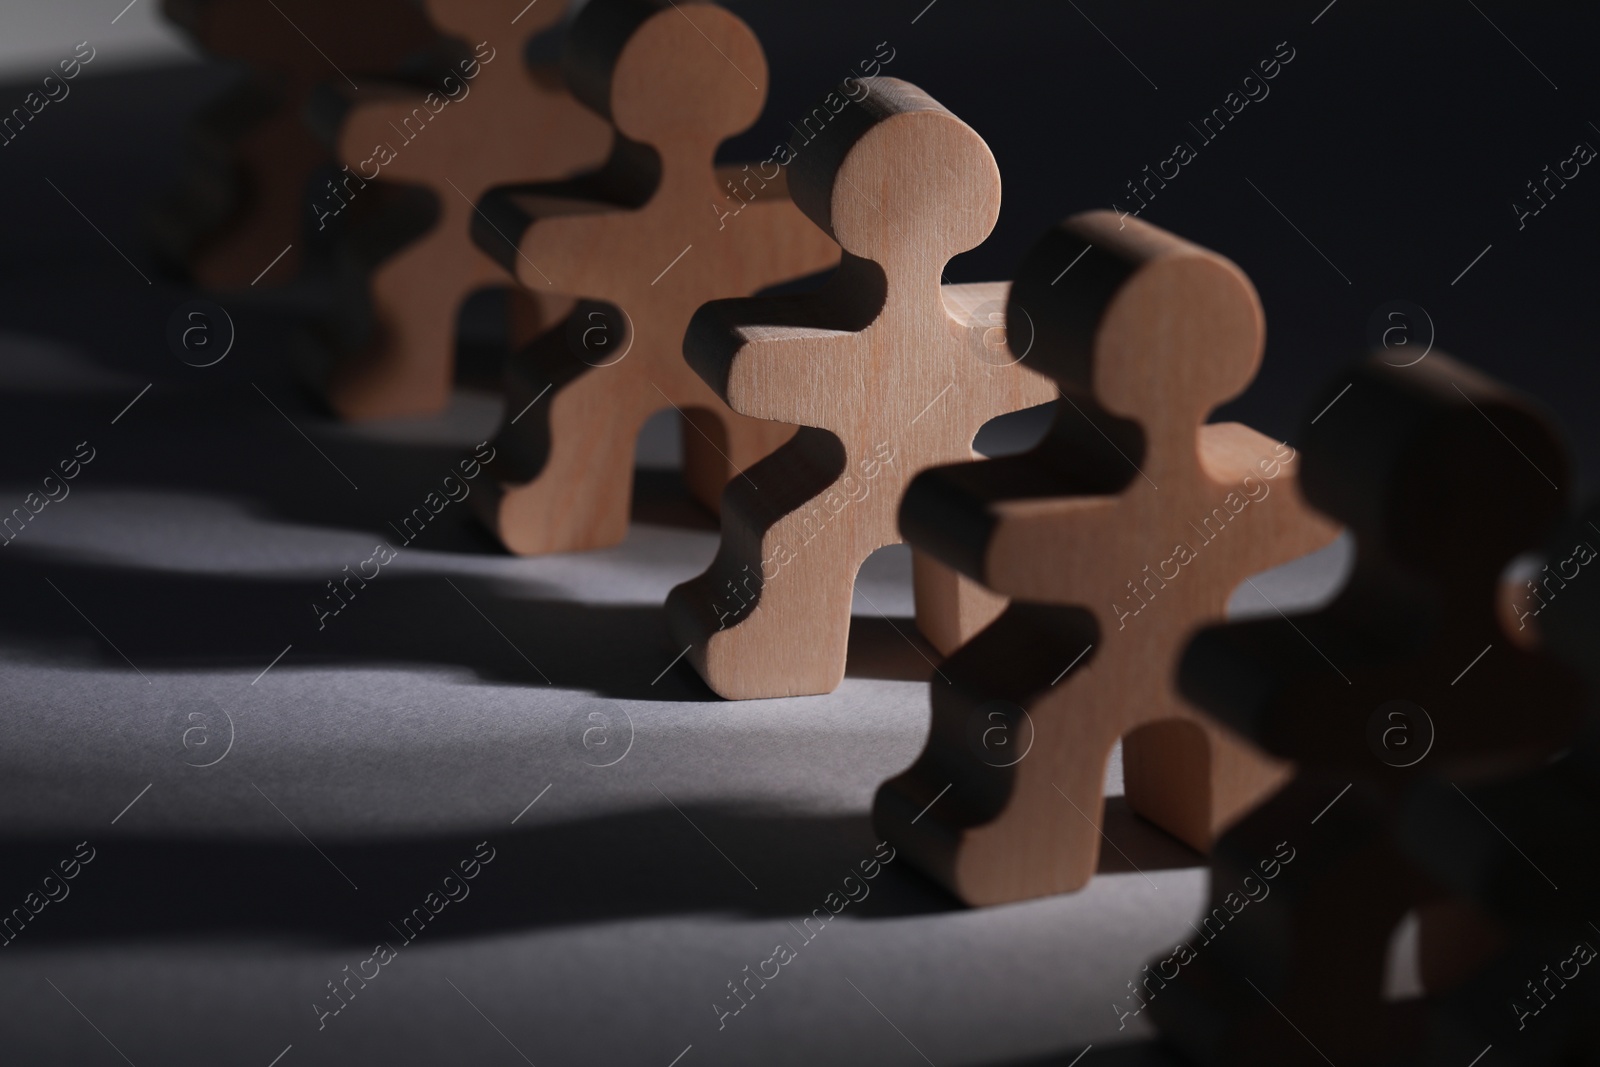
(1409, 676)
(1508, 852)
(243, 207)
(494, 121)
(654, 233)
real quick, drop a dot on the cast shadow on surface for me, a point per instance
(165, 620)
(242, 442)
(169, 620)
(600, 869)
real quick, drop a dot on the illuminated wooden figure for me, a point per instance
(655, 233)
(1120, 535)
(495, 121)
(888, 372)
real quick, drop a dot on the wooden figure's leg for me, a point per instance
(1318, 906)
(1044, 837)
(718, 445)
(1006, 801)
(951, 608)
(771, 616)
(529, 312)
(1194, 778)
(274, 161)
(1455, 940)
(408, 368)
(1047, 840)
(565, 468)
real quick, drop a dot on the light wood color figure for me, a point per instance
(266, 150)
(499, 121)
(650, 234)
(886, 371)
(1124, 531)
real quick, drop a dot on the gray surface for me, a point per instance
(414, 727)
(409, 727)
(37, 35)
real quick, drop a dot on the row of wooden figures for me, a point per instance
(630, 263)
(1079, 589)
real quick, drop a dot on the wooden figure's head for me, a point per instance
(667, 71)
(1155, 328)
(895, 176)
(1437, 467)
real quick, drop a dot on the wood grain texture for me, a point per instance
(1443, 477)
(884, 372)
(1122, 533)
(256, 156)
(498, 122)
(650, 234)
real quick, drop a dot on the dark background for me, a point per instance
(1396, 141)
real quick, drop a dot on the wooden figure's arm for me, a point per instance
(770, 357)
(999, 521)
(994, 369)
(585, 221)
(1233, 454)
(368, 133)
(763, 354)
(548, 240)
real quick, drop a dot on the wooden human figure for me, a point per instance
(269, 151)
(885, 374)
(1443, 477)
(1510, 853)
(496, 121)
(1514, 976)
(1545, 807)
(1122, 533)
(656, 232)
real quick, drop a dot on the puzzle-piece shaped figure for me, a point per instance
(1512, 851)
(1517, 854)
(651, 234)
(257, 154)
(1305, 941)
(1117, 537)
(1545, 808)
(503, 122)
(1443, 477)
(885, 372)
